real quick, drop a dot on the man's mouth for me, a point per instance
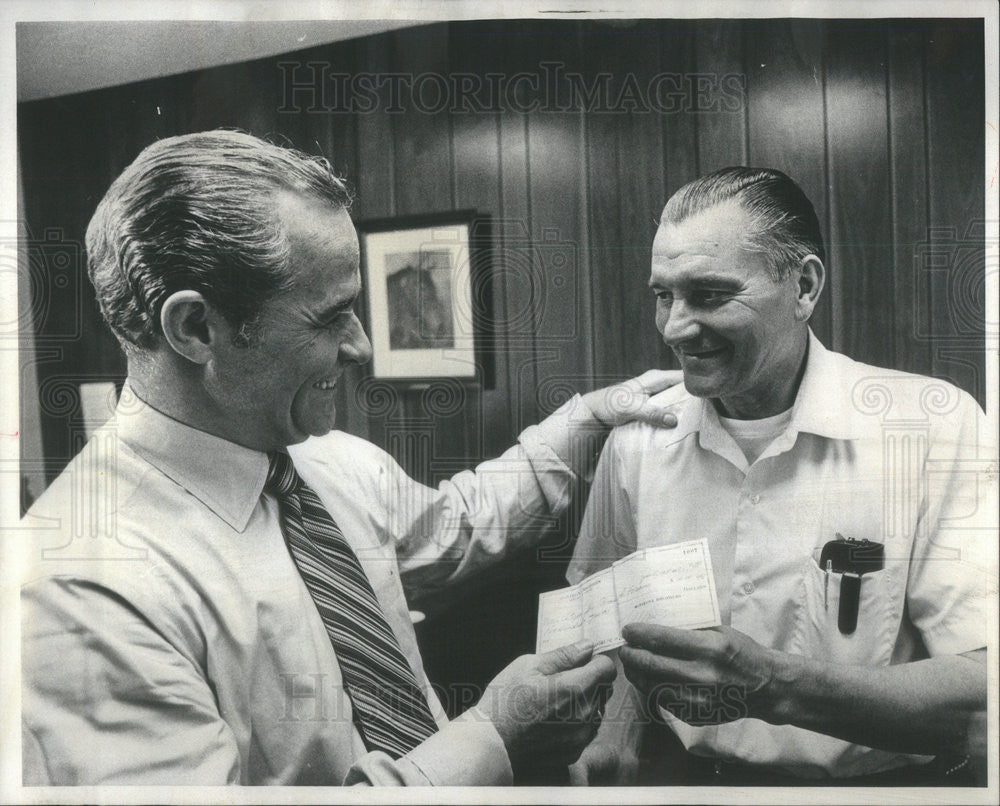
(702, 355)
(325, 385)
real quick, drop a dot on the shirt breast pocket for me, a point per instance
(818, 634)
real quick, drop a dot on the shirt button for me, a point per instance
(755, 499)
(748, 588)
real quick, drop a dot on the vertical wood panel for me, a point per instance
(786, 123)
(956, 143)
(859, 182)
(719, 47)
(375, 180)
(521, 271)
(555, 143)
(641, 176)
(604, 71)
(680, 132)
(421, 134)
(908, 189)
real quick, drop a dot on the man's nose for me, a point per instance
(680, 325)
(356, 347)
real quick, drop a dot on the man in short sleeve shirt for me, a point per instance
(783, 446)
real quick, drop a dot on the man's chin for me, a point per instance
(307, 421)
(320, 428)
(700, 387)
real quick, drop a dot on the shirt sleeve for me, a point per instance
(477, 516)
(467, 751)
(97, 675)
(954, 567)
(608, 531)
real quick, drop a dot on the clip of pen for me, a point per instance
(826, 585)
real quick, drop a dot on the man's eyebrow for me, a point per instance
(718, 280)
(336, 308)
(701, 280)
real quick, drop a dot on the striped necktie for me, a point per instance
(390, 709)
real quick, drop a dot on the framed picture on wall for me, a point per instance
(421, 276)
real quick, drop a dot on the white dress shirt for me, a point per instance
(167, 637)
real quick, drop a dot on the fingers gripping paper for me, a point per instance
(670, 585)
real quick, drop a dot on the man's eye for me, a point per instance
(664, 296)
(709, 297)
(337, 319)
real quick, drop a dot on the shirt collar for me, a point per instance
(226, 477)
(823, 405)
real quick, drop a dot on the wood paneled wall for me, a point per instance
(881, 122)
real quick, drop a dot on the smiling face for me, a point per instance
(740, 336)
(281, 390)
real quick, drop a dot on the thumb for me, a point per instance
(578, 774)
(596, 766)
(566, 657)
(654, 414)
(602, 764)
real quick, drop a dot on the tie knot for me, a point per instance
(281, 475)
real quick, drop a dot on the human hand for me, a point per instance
(604, 765)
(623, 402)
(703, 677)
(547, 707)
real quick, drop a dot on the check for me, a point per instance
(671, 585)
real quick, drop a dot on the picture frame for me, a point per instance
(427, 288)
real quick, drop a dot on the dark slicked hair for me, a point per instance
(198, 212)
(783, 226)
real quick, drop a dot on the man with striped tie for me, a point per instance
(214, 593)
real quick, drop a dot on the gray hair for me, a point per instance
(784, 226)
(197, 212)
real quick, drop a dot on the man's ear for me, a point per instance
(811, 278)
(192, 326)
